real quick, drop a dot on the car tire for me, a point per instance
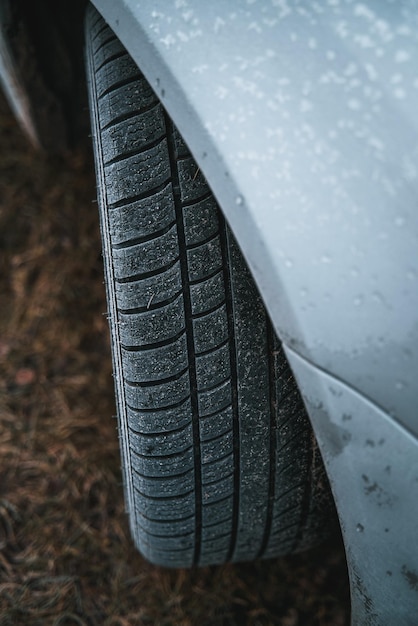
(219, 459)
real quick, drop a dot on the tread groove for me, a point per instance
(159, 410)
(152, 306)
(219, 458)
(138, 277)
(290, 415)
(285, 468)
(97, 20)
(125, 202)
(273, 438)
(113, 57)
(213, 309)
(120, 83)
(162, 478)
(189, 203)
(217, 412)
(210, 351)
(157, 344)
(283, 494)
(219, 480)
(189, 334)
(172, 536)
(213, 387)
(234, 384)
(162, 498)
(218, 523)
(152, 435)
(304, 506)
(288, 441)
(127, 154)
(165, 521)
(204, 242)
(155, 383)
(223, 499)
(97, 35)
(161, 457)
(130, 243)
(217, 437)
(206, 277)
(118, 119)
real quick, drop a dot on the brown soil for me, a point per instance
(66, 557)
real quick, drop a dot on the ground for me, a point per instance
(66, 557)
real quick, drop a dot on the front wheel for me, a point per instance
(219, 459)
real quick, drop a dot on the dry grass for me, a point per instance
(66, 557)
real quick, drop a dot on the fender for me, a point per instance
(302, 117)
(304, 122)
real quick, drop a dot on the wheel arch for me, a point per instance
(299, 190)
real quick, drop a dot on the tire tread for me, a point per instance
(217, 450)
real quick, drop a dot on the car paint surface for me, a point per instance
(373, 467)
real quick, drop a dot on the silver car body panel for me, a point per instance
(372, 463)
(302, 115)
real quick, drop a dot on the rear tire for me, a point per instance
(219, 459)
